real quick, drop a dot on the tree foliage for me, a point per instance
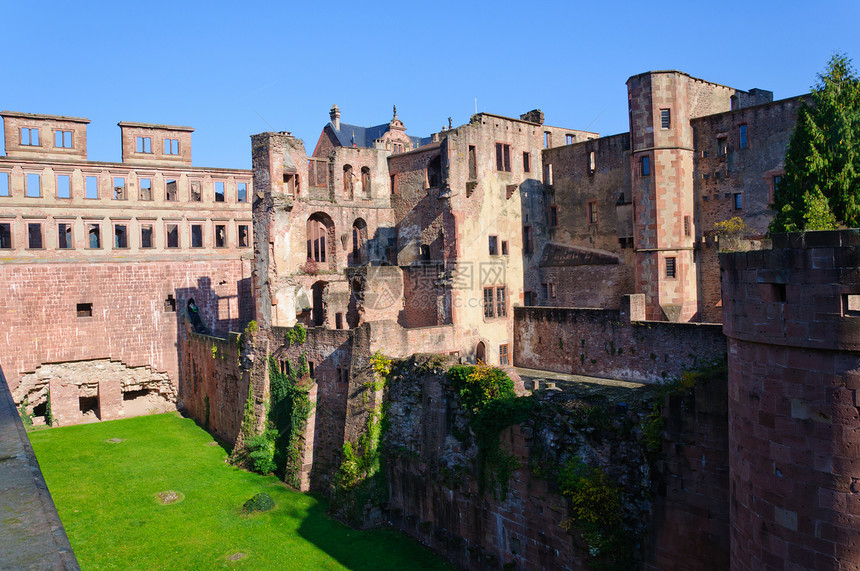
(821, 186)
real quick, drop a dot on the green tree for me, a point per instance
(821, 186)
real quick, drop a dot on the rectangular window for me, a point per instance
(196, 195)
(488, 302)
(219, 191)
(92, 187)
(119, 188)
(504, 247)
(64, 236)
(34, 235)
(592, 212)
(84, 309)
(120, 236)
(569, 139)
(220, 236)
(645, 166)
(170, 189)
(34, 185)
(743, 142)
(196, 235)
(527, 240)
(722, 146)
(665, 119)
(503, 157)
(4, 184)
(171, 146)
(144, 144)
(544, 290)
(503, 354)
(29, 137)
(145, 189)
(501, 302)
(393, 185)
(527, 162)
(63, 139)
(473, 163)
(173, 235)
(243, 236)
(686, 225)
(242, 192)
(547, 139)
(527, 298)
(494, 245)
(94, 237)
(5, 235)
(146, 236)
(552, 290)
(547, 174)
(553, 216)
(64, 186)
(670, 267)
(739, 201)
(591, 162)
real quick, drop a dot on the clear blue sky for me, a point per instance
(231, 69)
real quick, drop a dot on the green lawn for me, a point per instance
(106, 494)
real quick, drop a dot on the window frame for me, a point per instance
(41, 235)
(167, 228)
(117, 235)
(68, 176)
(97, 226)
(743, 136)
(198, 226)
(645, 165)
(6, 231)
(68, 235)
(527, 162)
(62, 133)
(171, 147)
(142, 143)
(151, 226)
(504, 357)
(38, 177)
(29, 131)
(665, 119)
(6, 189)
(503, 157)
(671, 265)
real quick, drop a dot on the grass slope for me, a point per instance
(106, 496)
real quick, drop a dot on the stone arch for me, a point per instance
(320, 234)
(365, 182)
(348, 182)
(481, 352)
(359, 241)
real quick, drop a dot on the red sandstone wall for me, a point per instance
(129, 320)
(604, 343)
(794, 397)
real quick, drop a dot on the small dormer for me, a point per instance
(145, 143)
(55, 137)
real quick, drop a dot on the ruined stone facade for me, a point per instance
(100, 260)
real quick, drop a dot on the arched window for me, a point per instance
(434, 173)
(347, 181)
(359, 237)
(320, 230)
(365, 181)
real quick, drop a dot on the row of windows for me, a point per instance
(94, 237)
(169, 147)
(503, 160)
(29, 137)
(121, 188)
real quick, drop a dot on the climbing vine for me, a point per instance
(26, 417)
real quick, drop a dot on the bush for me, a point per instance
(262, 502)
(261, 451)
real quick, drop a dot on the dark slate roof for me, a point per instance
(364, 136)
(556, 255)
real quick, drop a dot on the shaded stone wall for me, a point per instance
(792, 316)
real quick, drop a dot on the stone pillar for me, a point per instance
(110, 400)
(792, 318)
(65, 402)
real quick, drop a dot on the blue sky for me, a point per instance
(231, 69)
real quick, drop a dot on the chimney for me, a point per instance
(335, 117)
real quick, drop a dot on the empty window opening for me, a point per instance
(172, 235)
(670, 267)
(494, 245)
(120, 236)
(196, 194)
(89, 406)
(64, 186)
(527, 240)
(348, 183)
(850, 304)
(34, 185)
(592, 212)
(196, 235)
(338, 320)
(63, 139)
(220, 236)
(242, 192)
(504, 247)
(4, 184)
(547, 174)
(84, 309)
(591, 163)
(146, 236)
(738, 201)
(424, 252)
(144, 144)
(552, 291)
(145, 188)
(5, 235)
(779, 293)
(527, 298)
(92, 187)
(311, 368)
(503, 157)
(34, 235)
(686, 225)
(134, 395)
(645, 166)
(119, 188)
(219, 191)
(722, 146)
(171, 146)
(503, 354)
(243, 236)
(170, 189)
(94, 236)
(553, 216)
(170, 304)
(569, 139)
(29, 137)
(547, 139)
(743, 141)
(473, 163)
(665, 119)
(544, 290)
(527, 162)
(317, 240)
(393, 185)
(365, 182)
